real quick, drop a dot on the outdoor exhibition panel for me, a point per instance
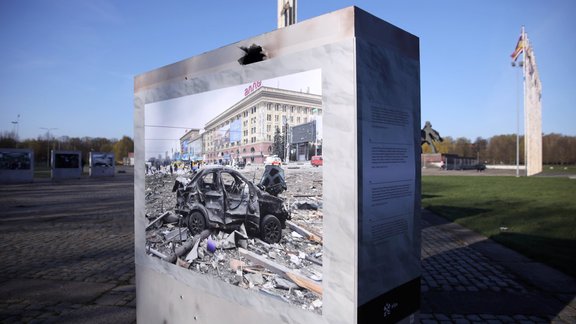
(368, 93)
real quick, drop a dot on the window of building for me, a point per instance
(292, 109)
(291, 119)
(298, 119)
(299, 109)
(269, 117)
(305, 110)
(277, 107)
(276, 118)
(284, 108)
(269, 137)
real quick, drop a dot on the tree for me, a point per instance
(462, 147)
(446, 146)
(123, 147)
(8, 140)
(502, 149)
(480, 147)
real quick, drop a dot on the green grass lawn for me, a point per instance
(558, 169)
(535, 216)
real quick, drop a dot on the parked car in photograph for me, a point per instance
(218, 197)
(272, 160)
(317, 160)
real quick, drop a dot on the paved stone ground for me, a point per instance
(67, 251)
(467, 278)
(66, 256)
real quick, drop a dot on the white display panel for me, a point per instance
(16, 165)
(329, 44)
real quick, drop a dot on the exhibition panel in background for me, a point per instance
(66, 164)
(370, 86)
(16, 165)
(102, 164)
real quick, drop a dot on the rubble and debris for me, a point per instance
(305, 205)
(277, 268)
(193, 254)
(304, 232)
(157, 220)
(317, 303)
(289, 269)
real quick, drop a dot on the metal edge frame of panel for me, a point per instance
(171, 294)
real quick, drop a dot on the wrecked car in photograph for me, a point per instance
(222, 198)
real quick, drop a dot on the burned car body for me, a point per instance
(221, 198)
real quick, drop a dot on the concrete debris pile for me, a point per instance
(158, 195)
(290, 270)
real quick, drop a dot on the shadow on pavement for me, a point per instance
(466, 275)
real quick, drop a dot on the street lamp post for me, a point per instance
(16, 124)
(49, 138)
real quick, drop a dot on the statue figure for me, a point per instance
(429, 136)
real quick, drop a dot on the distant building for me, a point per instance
(448, 161)
(245, 131)
(129, 160)
(191, 146)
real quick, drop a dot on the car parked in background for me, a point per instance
(272, 160)
(317, 160)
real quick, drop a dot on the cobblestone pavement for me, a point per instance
(468, 279)
(67, 251)
(67, 256)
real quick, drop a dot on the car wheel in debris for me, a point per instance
(196, 223)
(271, 229)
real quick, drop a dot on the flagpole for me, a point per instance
(525, 45)
(521, 43)
(518, 123)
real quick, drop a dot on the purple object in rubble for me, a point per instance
(211, 246)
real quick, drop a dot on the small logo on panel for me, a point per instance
(388, 308)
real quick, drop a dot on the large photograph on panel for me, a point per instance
(234, 186)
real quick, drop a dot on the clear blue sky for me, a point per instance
(69, 64)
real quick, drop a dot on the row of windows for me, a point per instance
(278, 107)
(285, 108)
(289, 119)
(252, 150)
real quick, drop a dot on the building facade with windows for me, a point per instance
(245, 131)
(191, 146)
